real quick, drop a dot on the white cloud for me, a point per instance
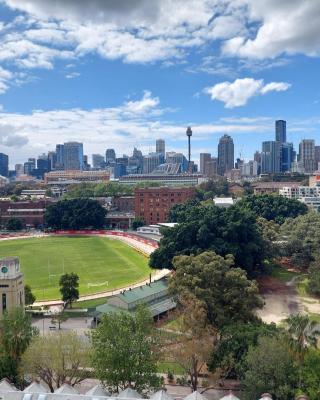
(275, 86)
(284, 26)
(237, 93)
(73, 75)
(141, 106)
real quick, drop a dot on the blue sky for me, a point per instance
(122, 73)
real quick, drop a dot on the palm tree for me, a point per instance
(303, 333)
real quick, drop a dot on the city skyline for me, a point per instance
(209, 65)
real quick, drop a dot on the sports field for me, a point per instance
(101, 263)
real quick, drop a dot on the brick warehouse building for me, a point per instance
(153, 204)
(29, 212)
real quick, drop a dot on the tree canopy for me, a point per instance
(69, 284)
(301, 238)
(226, 292)
(124, 351)
(271, 368)
(75, 214)
(207, 227)
(16, 333)
(273, 207)
(56, 358)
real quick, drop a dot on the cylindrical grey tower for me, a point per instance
(189, 134)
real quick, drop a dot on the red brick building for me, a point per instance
(123, 203)
(153, 204)
(30, 212)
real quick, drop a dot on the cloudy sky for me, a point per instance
(121, 73)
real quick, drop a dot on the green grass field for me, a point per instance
(101, 263)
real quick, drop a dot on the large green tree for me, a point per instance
(273, 207)
(301, 239)
(69, 284)
(310, 374)
(229, 354)
(16, 333)
(207, 227)
(226, 292)
(75, 214)
(270, 368)
(125, 351)
(14, 224)
(30, 298)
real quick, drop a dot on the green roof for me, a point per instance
(140, 293)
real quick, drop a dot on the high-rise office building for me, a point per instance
(211, 167)
(317, 157)
(287, 156)
(52, 160)
(271, 157)
(73, 156)
(177, 158)
(59, 157)
(110, 156)
(225, 154)
(98, 161)
(307, 155)
(281, 131)
(161, 146)
(19, 169)
(204, 158)
(151, 161)
(4, 165)
(257, 158)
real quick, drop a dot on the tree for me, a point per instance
(218, 187)
(56, 358)
(59, 319)
(310, 374)
(273, 207)
(270, 368)
(229, 354)
(16, 333)
(14, 224)
(314, 277)
(191, 349)
(137, 222)
(302, 239)
(69, 284)
(303, 333)
(125, 351)
(30, 298)
(207, 227)
(225, 291)
(75, 214)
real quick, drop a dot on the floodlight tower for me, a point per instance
(189, 134)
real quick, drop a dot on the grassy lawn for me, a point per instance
(90, 303)
(173, 324)
(165, 366)
(282, 274)
(101, 263)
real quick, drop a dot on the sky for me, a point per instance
(122, 73)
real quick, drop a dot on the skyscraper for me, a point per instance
(73, 156)
(287, 156)
(225, 154)
(161, 146)
(4, 165)
(271, 157)
(317, 157)
(110, 156)
(151, 161)
(204, 158)
(281, 131)
(59, 156)
(97, 161)
(307, 155)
